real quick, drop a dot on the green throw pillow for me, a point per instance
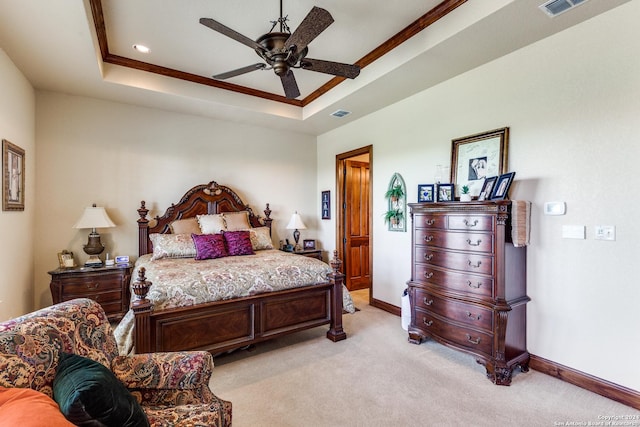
(89, 394)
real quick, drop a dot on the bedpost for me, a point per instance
(143, 230)
(141, 307)
(267, 218)
(335, 332)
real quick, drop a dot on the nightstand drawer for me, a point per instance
(89, 285)
(101, 297)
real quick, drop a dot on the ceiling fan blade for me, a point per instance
(328, 67)
(222, 29)
(316, 21)
(237, 72)
(290, 86)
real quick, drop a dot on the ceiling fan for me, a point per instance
(283, 50)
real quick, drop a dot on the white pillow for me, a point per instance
(211, 224)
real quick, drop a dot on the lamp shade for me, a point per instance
(94, 217)
(295, 223)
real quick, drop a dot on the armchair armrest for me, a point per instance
(176, 378)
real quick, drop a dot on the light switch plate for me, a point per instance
(573, 232)
(605, 232)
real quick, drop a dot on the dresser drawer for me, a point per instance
(429, 221)
(470, 222)
(458, 311)
(470, 339)
(475, 242)
(469, 284)
(468, 262)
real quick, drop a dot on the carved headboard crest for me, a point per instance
(210, 198)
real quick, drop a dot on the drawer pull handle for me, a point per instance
(476, 286)
(476, 265)
(430, 221)
(428, 257)
(93, 286)
(473, 341)
(428, 238)
(470, 224)
(474, 244)
(427, 302)
(428, 274)
(428, 323)
(470, 315)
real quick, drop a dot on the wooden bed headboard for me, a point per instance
(210, 198)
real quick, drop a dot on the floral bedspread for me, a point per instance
(180, 282)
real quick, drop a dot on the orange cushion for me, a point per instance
(29, 408)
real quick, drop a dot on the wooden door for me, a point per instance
(356, 220)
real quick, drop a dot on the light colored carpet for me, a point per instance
(376, 378)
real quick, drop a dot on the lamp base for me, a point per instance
(93, 261)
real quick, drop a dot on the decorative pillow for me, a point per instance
(211, 224)
(185, 226)
(25, 407)
(236, 221)
(172, 246)
(238, 242)
(260, 238)
(209, 246)
(90, 394)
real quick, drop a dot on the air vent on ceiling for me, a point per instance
(556, 7)
(340, 113)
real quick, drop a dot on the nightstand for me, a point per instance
(108, 286)
(311, 253)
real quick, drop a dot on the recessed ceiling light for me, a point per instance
(141, 48)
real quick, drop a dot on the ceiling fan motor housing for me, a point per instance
(275, 53)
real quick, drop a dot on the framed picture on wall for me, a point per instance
(12, 177)
(325, 202)
(475, 157)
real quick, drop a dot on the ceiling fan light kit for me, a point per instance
(282, 50)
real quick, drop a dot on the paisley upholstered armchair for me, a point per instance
(40, 349)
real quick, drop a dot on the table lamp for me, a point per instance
(94, 217)
(295, 223)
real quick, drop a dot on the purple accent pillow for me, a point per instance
(238, 242)
(209, 246)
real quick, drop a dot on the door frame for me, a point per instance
(340, 200)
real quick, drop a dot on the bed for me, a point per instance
(181, 302)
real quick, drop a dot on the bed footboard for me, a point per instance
(225, 325)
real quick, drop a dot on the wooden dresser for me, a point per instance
(468, 283)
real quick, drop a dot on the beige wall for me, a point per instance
(572, 103)
(115, 155)
(17, 116)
